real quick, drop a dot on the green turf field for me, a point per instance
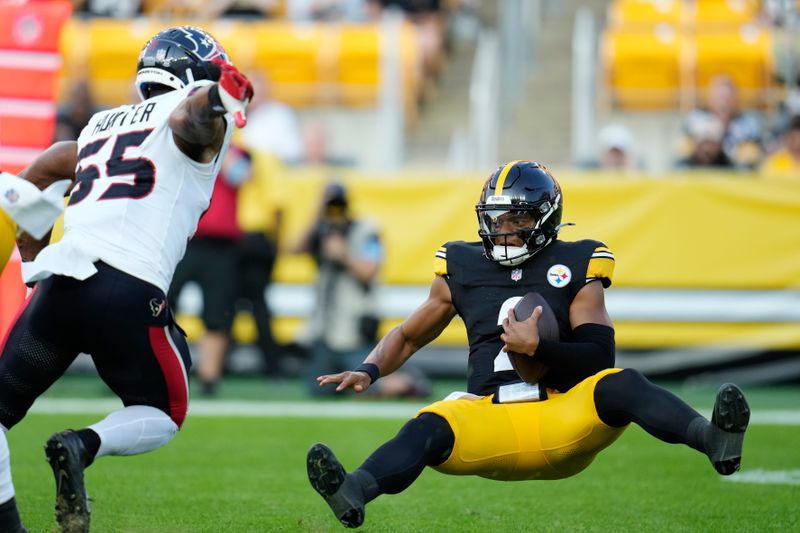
(248, 475)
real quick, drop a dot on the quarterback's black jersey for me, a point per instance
(483, 290)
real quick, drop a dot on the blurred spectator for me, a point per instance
(272, 126)
(75, 113)
(616, 148)
(108, 8)
(260, 216)
(429, 19)
(315, 140)
(785, 163)
(212, 9)
(326, 10)
(211, 261)
(705, 138)
(237, 8)
(788, 108)
(743, 131)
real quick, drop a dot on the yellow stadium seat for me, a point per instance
(357, 74)
(308, 64)
(711, 14)
(292, 56)
(644, 14)
(744, 55)
(643, 69)
(688, 14)
(105, 50)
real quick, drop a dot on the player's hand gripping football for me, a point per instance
(521, 336)
(358, 381)
(235, 91)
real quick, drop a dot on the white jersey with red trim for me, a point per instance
(138, 198)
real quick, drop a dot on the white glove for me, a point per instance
(235, 91)
(33, 210)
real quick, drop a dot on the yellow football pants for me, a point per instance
(551, 439)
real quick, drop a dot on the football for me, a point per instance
(526, 366)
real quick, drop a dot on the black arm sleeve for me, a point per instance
(591, 351)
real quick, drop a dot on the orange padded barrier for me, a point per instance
(29, 70)
(12, 292)
(32, 26)
(26, 123)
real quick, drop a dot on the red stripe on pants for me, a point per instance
(172, 368)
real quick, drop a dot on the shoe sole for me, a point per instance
(325, 472)
(72, 507)
(732, 415)
(326, 475)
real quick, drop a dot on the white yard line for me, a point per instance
(341, 409)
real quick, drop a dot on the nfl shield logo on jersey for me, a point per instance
(12, 196)
(516, 274)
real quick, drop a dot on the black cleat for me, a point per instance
(328, 478)
(68, 457)
(731, 415)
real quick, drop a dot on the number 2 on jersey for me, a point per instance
(141, 168)
(502, 362)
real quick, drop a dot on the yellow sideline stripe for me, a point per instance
(501, 179)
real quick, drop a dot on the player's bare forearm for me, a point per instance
(197, 128)
(392, 351)
(30, 247)
(56, 163)
(424, 325)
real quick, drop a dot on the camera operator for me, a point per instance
(343, 325)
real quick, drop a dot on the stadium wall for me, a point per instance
(707, 265)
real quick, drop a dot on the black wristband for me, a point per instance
(214, 101)
(371, 370)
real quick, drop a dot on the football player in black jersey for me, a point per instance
(588, 403)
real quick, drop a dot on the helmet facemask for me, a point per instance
(501, 219)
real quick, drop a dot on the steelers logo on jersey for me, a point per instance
(559, 276)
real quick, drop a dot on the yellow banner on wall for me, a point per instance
(704, 231)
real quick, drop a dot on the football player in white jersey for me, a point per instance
(143, 176)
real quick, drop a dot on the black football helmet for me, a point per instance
(527, 192)
(177, 57)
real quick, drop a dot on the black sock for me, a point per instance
(627, 396)
(9, 516)
(423, 441)
(208, 388)
(91, 441)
